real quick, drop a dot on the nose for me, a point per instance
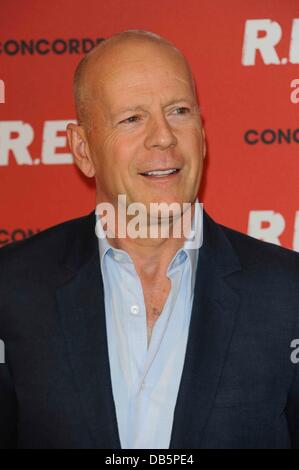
(159, 134)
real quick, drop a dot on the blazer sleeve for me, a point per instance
(8, 400)
(8, 410)
(292, 409)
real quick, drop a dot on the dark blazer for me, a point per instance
(239, 388)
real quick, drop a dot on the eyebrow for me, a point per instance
(142, 106)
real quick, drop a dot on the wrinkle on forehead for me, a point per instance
(103, 64)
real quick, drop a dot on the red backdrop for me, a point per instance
(244, 54)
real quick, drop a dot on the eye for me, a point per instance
(182, 110)
(130, 120)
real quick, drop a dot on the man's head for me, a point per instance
(137, 112)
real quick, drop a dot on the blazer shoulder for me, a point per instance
(45, 248)
(253, 252)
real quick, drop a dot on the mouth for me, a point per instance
(161, 174)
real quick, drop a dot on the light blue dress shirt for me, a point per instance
(145, 379)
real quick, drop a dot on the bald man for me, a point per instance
(146, 342)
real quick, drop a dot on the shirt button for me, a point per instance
(117, 256)
(135, 309)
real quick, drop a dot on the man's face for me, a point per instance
(144, 117)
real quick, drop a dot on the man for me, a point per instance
(144, 342)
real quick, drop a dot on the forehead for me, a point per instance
(140, 71)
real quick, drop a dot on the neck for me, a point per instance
(151, 256)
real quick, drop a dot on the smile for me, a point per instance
(161, 173)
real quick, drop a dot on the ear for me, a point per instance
(79, 147)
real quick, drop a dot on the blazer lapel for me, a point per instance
(82, 310)
(212, 322)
